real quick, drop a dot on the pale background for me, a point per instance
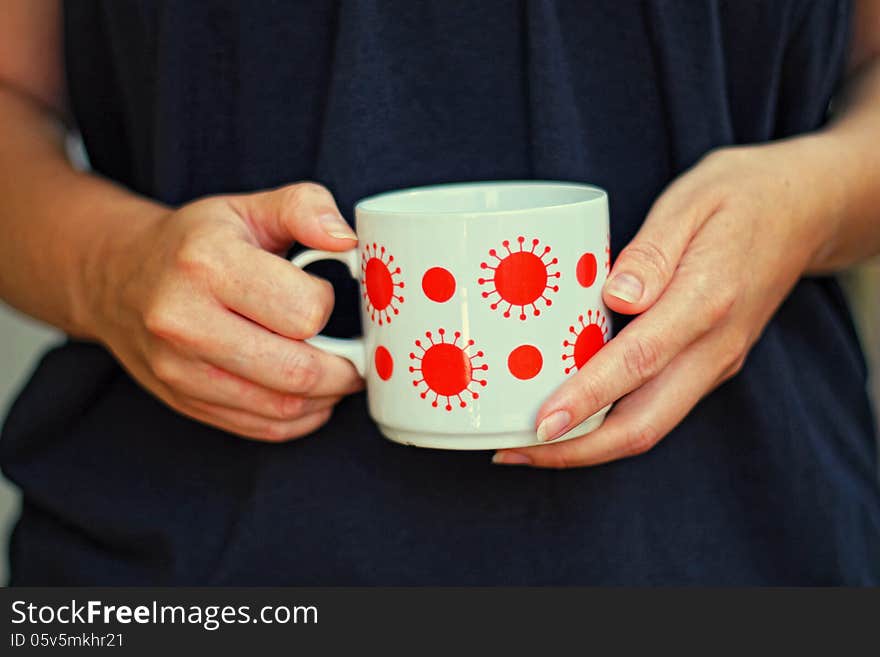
(23, 340)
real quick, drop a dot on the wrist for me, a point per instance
(811, 168)
(112, 250)
(825, 188)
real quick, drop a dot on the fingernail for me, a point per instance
(335, 226)
(511, 458)
(625, 287)
(553, 425)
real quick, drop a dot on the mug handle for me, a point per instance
(352, 349)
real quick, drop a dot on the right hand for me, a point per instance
(204, 312)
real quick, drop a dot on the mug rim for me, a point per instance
(598, 194)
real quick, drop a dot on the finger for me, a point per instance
(248, 425)
(212, 385)
(237, 345)
(239, 422)
(274, 293)
(303, 212)
(640, 420)
(694, 303)
(646, 266)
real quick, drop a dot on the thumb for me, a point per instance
(302, 212)
(646, 266)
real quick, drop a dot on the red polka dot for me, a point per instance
(384, 363)
(438, 284)
(525, 362)
(586, 270)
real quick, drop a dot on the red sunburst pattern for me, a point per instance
(589, 336)
(446, 369)
(380, 285)
(520, 278)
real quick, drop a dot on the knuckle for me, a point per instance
(649, 256)
(194, 255)
(163, 321)
(642, 357)
(311, 322)
(665, 203)
(177, 403)
(738, 365)
(273, 432)
(325, 295)
(156, 320)
(641, 440)
(589, 392)
(314, 316)
(321, 418)
(734, 355)
(165, 369)
(312, 188)
(733, 369)
(721, 302)
(561, 461)
(564, 456)
(303, 193)
(294, 196)
(713, 156)
(290, 407)
(724, 155)
(300, 369)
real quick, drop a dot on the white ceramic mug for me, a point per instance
(477, 301)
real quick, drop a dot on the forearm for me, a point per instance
(850, 149)
(58, 226)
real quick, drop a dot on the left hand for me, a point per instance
(717, 254)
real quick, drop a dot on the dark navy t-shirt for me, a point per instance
(770, 480)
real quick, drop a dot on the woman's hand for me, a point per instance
(201, 309)
(719, 251)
